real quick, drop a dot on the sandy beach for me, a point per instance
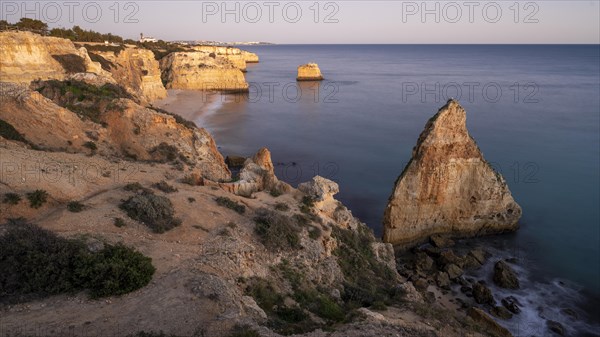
(193, 105)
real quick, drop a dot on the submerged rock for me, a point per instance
(482, 294)
(448, 188)
(309, 72)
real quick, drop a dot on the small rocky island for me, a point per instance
(448, 188)
(309, 72)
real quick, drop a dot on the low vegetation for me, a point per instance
(307, 205)
(154, 211)
(36, 263)
(277, 231)
(11, 198)
(243, 331)
(281, 206)
(37, 198)
(232, 205)
(367, 280)
(88, 101)
(75, 206)
(119, 222)
(164, 187)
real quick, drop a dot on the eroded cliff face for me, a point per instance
(116, 125)
(26, 56)
(229, 51)
(136, 69)
(447, 187)
(199, 71)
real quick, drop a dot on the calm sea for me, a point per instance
(533, 110)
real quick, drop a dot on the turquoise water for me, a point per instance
(541, 132)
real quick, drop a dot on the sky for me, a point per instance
(327, 22)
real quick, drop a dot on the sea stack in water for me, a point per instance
(309, 72)
(448, 188)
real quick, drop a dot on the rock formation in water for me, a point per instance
(257, 175)
(447, 187)
(199, 71)
(134, 68)
(26, 56)
(309, 72)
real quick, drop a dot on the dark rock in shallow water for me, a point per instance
(505, 276)
(482, 294)
(572, 314)
(556, 327)
(423, 262)
(512, 304)
(441, 242)
(453, 271)
(442, 280)
(479, 254)
(501, 312)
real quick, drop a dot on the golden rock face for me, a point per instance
(199, 71)
(309, 72)
(447, 187)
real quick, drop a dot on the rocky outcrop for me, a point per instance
(134, 68)
(26, 56)
(118, 127)
(199, 71)
(257, 175)
(447, 187)
(309, 72)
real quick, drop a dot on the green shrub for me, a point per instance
(36, 263)
(367, 280)
(277, 231)
(90, 145)
(37, 198)
(314, 232)
(264, 294)
(165, 187)
(275, 193)
(133, 187)
(75, 206)
(307, 204)
(11, 198)
(281, 206)
(119, 222)
(154, 211)
(164, 153)
(191, 200)
(226, 202)
(116, 270)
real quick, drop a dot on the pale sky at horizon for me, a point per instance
(356, 21)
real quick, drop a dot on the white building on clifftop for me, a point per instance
(147, 38)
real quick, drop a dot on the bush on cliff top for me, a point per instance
(37, 263)
(277, 231)
(154, 211)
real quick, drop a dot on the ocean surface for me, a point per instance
(533, 110)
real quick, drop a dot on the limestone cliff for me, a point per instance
(448, 187)
(309, 72)
(199, 71)
(111, 125)
(229, 51)
(26, 56)
(134, 68)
